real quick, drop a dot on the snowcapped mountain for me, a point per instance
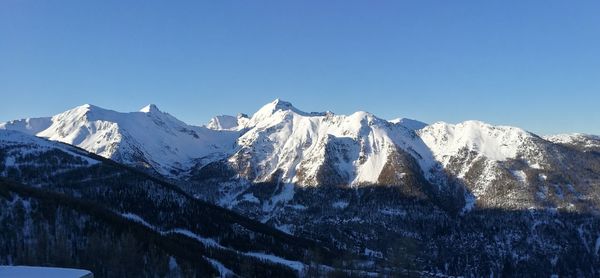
(313, 149)
(29, 126)
(281, 143)
(409, 123)
(18, 148)
(585, 142)
(149, 138)
(469, 164)
(58, 201)
(279, 139)
(226, 122)
(394, 191)
(496, 143)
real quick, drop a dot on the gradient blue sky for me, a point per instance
(533, 64)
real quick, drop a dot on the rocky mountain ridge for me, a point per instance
(430, 198)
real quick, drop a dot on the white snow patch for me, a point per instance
(554, 260)
(224, 272)
(470, 201)
(296, 265)
(373, 253)
(205, 241)
(249, 197)
(9, 162)
(520, 175)
(286, 194)
(536, 166)
(46, 272)
(340, 204)
(173, 263)
(286, 228)
(393, 211)
(138, 219)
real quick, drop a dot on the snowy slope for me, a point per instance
(475, 153)
(466, 167)
(148, 138)
(570, 138)
(299, 147)
(227, 122)
(583, 141)
(18, 145)
(282, 143)
(409, 123)
(493, 142)
(278, 140)
(29, 126)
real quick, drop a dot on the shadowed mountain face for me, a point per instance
(64, 206)
(464, 199)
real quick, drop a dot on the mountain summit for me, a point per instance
(392, 191)
(149, 139)
(150, 108)
(282, 143)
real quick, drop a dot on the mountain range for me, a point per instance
(395, 196)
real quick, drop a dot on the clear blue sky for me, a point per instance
(533, 64)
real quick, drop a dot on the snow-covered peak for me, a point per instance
(568, 138)
(34, 126)
(358, 120)
(278, 139)
(227, 122)
(299, 147)
(275, 108)
(29, 144)
(494, 142)
(30, 126)
(223, 122)
(281, 104)
(409, 123)
(85, 110)
(584, 141)
(150, 108)
(149, 138)
(86, 106)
